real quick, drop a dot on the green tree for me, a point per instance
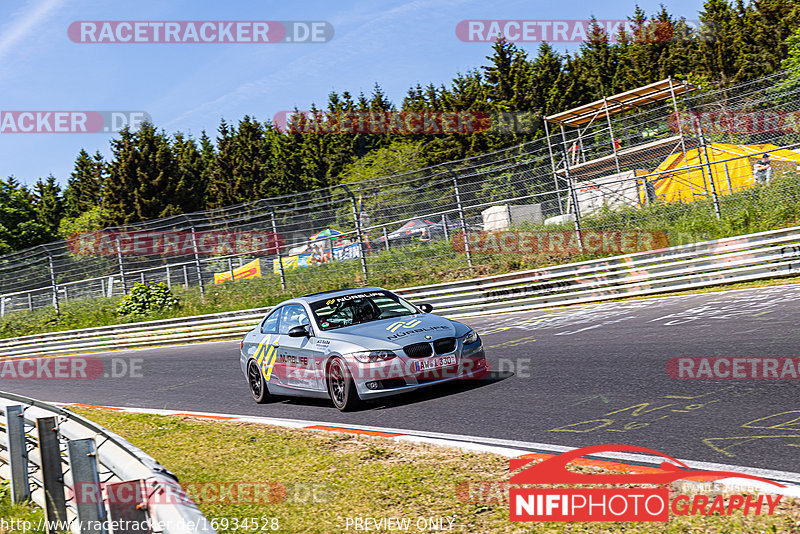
(84, 186)
(49, 204)
(19, 224)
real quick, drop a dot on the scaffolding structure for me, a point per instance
(592, 147)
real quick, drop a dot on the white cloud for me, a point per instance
(26, 22)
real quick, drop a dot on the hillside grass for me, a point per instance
(756, 209)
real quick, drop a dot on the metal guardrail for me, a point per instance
(729, 260)
(85, 477)
(735, 259)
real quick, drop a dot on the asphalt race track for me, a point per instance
(573, 376)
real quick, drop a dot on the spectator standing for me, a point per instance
(762, 170)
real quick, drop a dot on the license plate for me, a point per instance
(435, 363)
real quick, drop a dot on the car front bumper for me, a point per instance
(383, 380)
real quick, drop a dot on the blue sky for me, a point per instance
(189, 87)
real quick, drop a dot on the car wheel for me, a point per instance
(341, 386)
(256, 383)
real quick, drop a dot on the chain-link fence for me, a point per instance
(690, 167)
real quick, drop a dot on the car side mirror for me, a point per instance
(298, 331)
(427, 308)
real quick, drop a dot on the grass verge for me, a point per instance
(18, 518)
(329, 477)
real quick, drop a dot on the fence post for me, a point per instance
(572, 194)
(444, 227)
(197, 261)
(461, 217)
(121, 268)
(2, 306)
(17, 454)
(357, 221)
(169, 279)
(714, 197)
(53, 284)
(728, 177)
(52, 474)
(83, 465)
(30, 302)
(278, 247)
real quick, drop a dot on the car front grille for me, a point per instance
(418, 350)
(444, 345)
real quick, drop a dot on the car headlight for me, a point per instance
(471, 337)
(372, 356)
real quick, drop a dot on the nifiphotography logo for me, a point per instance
(621, 503)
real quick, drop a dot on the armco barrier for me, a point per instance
(735, 259)
(35, 437)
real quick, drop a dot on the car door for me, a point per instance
(297, 364)
(266, 348)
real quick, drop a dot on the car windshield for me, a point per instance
(358, 308)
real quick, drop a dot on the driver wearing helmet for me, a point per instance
(364, 310)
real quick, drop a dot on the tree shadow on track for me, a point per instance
(434, 391)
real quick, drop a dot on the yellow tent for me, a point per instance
(674, 185)
(248, 270)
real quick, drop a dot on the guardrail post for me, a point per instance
(278, 247)
(121, 268)
(461, 217)
(52, 474)
(2, 306)
(30, 302)
(89, 505)
(127, 501)
(386, 238)
(17, 454)
(230, 269)
(445, 228)
(169, 279)
(357, 221)
(53, 282)
(185, 276)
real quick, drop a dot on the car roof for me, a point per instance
(336, 293)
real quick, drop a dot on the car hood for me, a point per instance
(396, 332)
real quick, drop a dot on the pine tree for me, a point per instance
(190, 185)
(122, 180)
(157, 175)
(49, 204)
(85, 184)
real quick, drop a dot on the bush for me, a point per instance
(145, 299)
